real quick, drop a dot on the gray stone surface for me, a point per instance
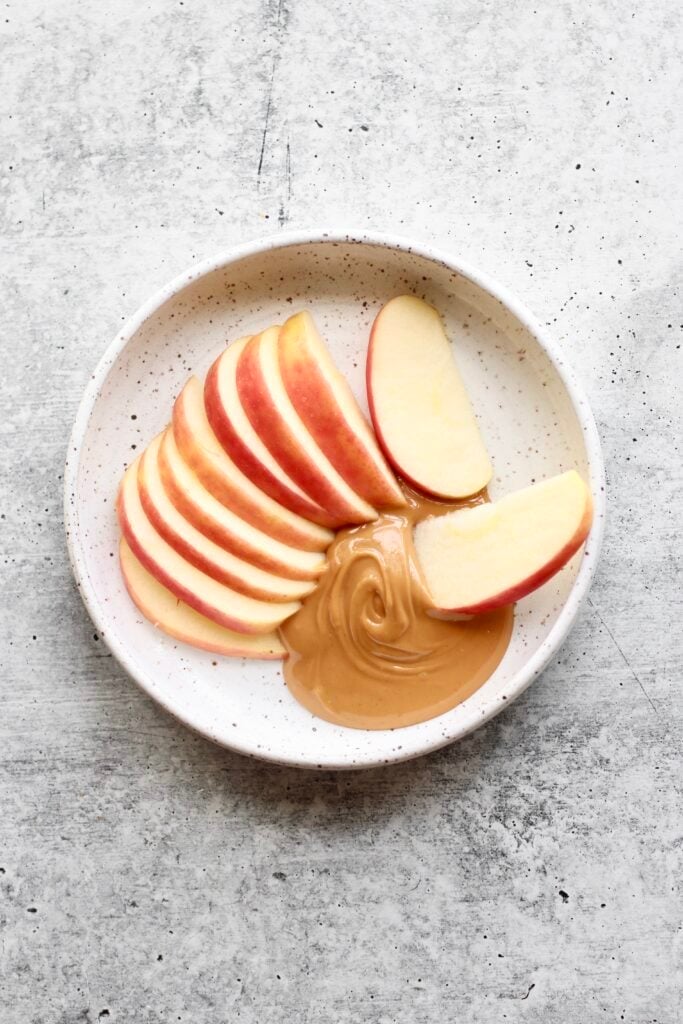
(529, 873)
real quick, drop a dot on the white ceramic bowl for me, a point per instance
(534, 417)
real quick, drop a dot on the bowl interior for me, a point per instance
(530, 424)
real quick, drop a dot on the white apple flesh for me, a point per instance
(328, 408)
(199, 549)
(233, 429)
(477, 559)
(203, 453)
(220, 524)
(276, 421)
(203, 593)
(175, 618)
(420, 409)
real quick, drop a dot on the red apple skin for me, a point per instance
(251, 466)
(317, 406)
(386, 451)
(273, 431)
(234, 499)
(217, 532)
(533, 582)
(181, 592)
(187, 638)
(188, 551)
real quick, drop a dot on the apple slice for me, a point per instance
(204, 454)
(235, 432)
(418, 403)
(276, 421)
(476, 559)
(167, 613)
(198, 549)
(326, 405)
(222, 526)
(208, 597)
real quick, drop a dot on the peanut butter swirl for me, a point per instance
(364, 651)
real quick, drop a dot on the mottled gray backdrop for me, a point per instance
(529, 873)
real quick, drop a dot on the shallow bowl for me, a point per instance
(534, 417)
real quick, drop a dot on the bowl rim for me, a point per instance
(579, 401)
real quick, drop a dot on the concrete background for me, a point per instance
(529, 873)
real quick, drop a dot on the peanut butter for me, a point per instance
(364, 652)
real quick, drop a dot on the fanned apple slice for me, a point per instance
(208, 597)
(419, 407)
(327, 407)
(177, 619)
(203, 452)
(222, 526)
(233, 429)
(276, 421)
(198, 549)
(476, 559)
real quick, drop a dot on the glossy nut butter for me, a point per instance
(364, 652)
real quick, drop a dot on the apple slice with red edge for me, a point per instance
(233, 429)
(477, 559)
(178, 620)
(202, 451)
(198, 549)
(203, 593)
(420, 410)
(276, 421)
(224, 527)
(327, 407)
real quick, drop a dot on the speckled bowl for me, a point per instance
(534, 417)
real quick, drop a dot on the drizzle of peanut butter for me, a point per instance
(364, 652)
